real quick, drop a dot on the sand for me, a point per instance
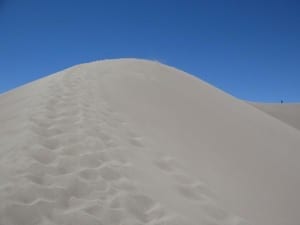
(288, 112)
(135, 142)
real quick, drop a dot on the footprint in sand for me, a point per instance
(42, 155)
(136, 141)
(167, 164)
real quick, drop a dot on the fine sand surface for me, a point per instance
(288, 113)
(134, 142)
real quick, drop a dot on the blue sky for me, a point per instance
(248, 48)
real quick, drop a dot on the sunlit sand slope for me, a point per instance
(133, 142)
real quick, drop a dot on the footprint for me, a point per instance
(40, 180)
(104, 136)
(43, 156)
(166, 164)
(189, 192)
(136, 141)
(117, 157)
(78, 188)
(50, 143)
(77, 203)
(40, 122)
(170, 220)
(89, 174)
(125, 184)
(156, 212)
(72, 150)
(110, 173)
(44, 131)
(100, 185)
(67, 165)
(95, 210)
(20, 214)
(199, 189)
(66, 122)
(181, 178)
(112, 216)
(93, 144)
(236, 220)
(77, 217)
(70, 138)
(38, 169)
(24, 195)
(90, 161)
(116, 202)
(214, 211)
(138, 205)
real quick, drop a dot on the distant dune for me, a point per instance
(135, 142)
(288, 113)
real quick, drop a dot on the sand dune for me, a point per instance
(134, 142)
(288, 113)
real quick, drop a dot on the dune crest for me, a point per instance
(134, 142)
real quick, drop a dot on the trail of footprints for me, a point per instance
(78, 174)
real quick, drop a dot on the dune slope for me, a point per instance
(288, 113)
(135, 142)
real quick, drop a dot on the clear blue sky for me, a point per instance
(249, 48)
